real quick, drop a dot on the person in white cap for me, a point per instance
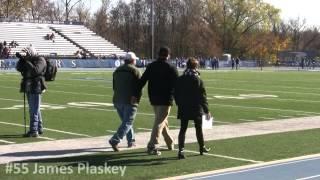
(32, 68)
(125, 82)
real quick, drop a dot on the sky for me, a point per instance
(305, 9)
(290, 9)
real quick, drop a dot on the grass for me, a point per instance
(139, 165)
(295, 95)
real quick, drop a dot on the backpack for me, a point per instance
(51, 71)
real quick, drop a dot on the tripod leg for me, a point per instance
(24, 113)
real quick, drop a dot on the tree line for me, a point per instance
(250, 29)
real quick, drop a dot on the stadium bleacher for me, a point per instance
(87, 39)
(68, 39)
(29, 33)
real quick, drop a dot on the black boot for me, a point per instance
(203, 149)
(181, 154)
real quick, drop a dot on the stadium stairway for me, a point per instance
(87, 40)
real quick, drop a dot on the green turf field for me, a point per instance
(72, 110)
(139, 165)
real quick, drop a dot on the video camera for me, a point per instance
(18, 55)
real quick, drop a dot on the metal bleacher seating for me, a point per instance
(68, 39)
(88, 40)
(26, 34)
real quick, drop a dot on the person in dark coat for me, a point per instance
(161, 78)
(190, 97)
(32, 68)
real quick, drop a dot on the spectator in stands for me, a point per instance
(32, 68)
(125, 84)
(13, 44)
(6, 52)
(52, 37)
(191, 99)
(161, 77)
(78, 55)
(83, 54)
(47, 36)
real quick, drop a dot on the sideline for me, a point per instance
(7, 142)
(220, 156)
(246, 168)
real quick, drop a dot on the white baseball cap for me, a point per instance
(30, 50)
(131, 56)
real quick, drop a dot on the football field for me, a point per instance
(79, 104)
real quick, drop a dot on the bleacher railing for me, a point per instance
(4, 19)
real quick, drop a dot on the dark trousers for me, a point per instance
(183, 130)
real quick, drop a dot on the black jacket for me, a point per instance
(191, 98)
(32, 70)
(161, 77)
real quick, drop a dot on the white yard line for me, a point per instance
(302, 114)
(111, 131)
(310, 177)
(226, 157)
(151, 114)
(267, 118)
(268, 91)
(263, 108)
(280, 86)
(286, 116)
(7, 142)
(246, 120)
(222, 122)
(48, 129)
(170, 126)
(146, 129)
(46, 138)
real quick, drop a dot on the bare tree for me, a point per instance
(296, 26)
(69, 5)
(82, 12)
(39, 9)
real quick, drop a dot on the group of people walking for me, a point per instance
(164, 86)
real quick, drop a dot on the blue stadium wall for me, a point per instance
(109, 63)
(69, 63)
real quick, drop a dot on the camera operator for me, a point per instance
(32, 68)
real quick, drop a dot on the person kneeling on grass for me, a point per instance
(190, 96)
(125, 82)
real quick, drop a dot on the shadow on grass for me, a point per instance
(12, 136)
(137, 158)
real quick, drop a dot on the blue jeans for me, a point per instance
(127, 113)
(34, 101)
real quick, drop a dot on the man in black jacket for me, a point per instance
(161, 77)
(32, 68)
